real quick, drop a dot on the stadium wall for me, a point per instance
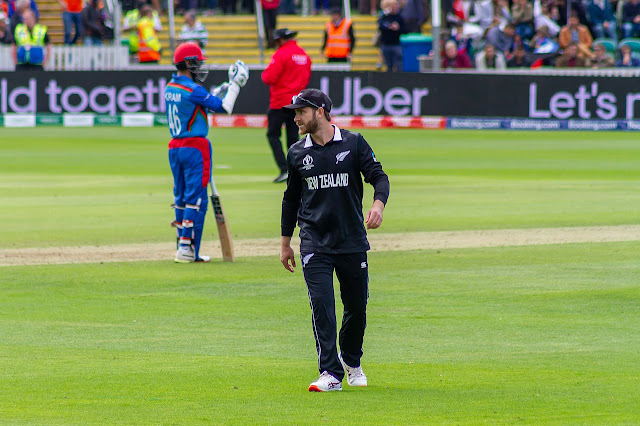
(365, 99)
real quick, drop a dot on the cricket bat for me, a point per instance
(221, 221)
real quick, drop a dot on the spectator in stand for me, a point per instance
(391, 26)
(570, 58)
(270, 11)
(489, 59)
(149, 46)
(543, 15)
(501, 13)
(600, 58)
(186, 5)
(502, 40)
(13, 7)
(453, 59)
(31, 48)
(482, 14)
(626, 58)
(72, 19)
(574, 31)
(193, 30)
(631, 18)
(559, 10)
(603, 23)
(414, 15)
(464, 42)
(270, 19)
(339, 39)
(542, 43)
(322, 6)
(522, 15)
(287, 7)
(368, 7)
(5, 32)
(107, 18)
(92, 24)
(20, 7)
(460, 17)
(228, 7)
(4, 8)
(519, 58)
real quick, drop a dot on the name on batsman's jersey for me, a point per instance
(186, 104)
(324, 192)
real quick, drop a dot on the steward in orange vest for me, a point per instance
(148, 43)
(339, 39)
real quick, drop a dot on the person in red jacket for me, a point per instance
(270, 19)
(454, 58)
(287, 74)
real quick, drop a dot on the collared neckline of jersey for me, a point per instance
(337, 137)
(182, 77)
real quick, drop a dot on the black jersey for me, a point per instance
(324, 192)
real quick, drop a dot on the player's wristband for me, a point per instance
(230, 98)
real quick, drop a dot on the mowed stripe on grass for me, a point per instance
(379, 242)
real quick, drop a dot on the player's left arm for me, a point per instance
(373, 174)
(201, 97)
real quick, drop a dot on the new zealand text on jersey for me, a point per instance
(328, 181)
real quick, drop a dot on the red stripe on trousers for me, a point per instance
(202, 145)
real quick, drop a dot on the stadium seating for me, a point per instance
(51, 16)
(608, 43)
(235, 36)
(633, 43)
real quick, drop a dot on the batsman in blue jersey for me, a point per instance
(187, 104)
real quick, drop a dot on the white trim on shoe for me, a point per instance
(355, 375)
(325, 383)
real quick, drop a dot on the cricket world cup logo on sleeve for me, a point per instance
(307, 162)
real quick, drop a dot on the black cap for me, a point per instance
(311, 98)
(284, 33)
(336, 11)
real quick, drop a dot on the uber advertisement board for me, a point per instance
(353, 93)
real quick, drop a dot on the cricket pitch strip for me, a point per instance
(440, 240)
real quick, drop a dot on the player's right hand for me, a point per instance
(238, 73)
(221, 91)
(287, 258)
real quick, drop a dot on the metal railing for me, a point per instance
(77, 58)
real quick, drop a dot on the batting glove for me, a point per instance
(221, 91)
(238, 73)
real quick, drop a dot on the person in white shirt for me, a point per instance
(490, 59)
(193, 30)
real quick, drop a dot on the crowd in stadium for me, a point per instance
(493, 34)
(480, 34)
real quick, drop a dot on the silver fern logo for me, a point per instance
(306, 259)
(341, 156)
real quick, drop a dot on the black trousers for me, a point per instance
(352, 271)
(29, 67)
(275, 119)
(270, 19)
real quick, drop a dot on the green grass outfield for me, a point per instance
(544, 334)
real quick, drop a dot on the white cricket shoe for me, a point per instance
(203, 258)
(355, 375)
(185, 255)
(325, 383)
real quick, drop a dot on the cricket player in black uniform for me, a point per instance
(324, 196)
